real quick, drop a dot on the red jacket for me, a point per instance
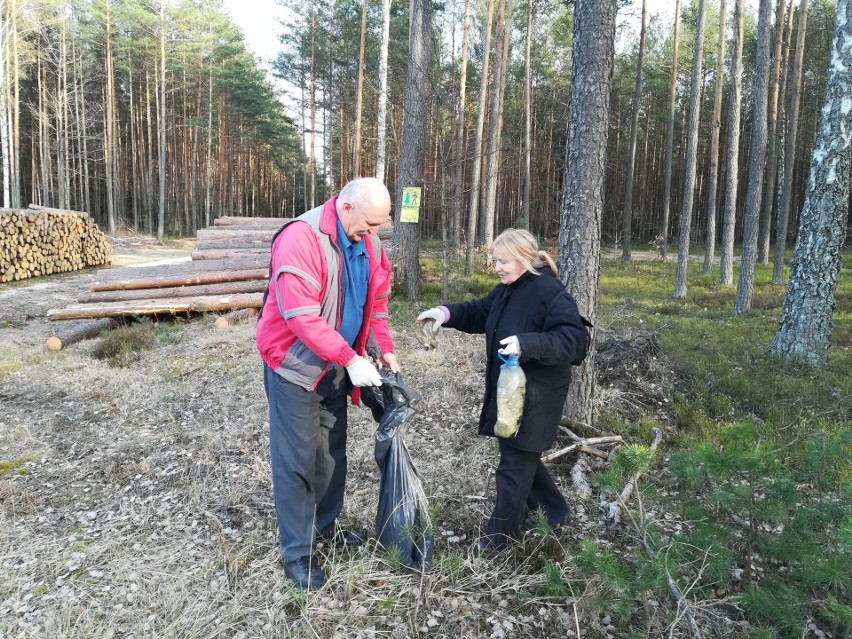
(297, 332)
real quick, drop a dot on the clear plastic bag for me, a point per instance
(402, 518)
(511, 390)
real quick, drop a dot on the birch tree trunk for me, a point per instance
(667, 179)
(381, 129)
(5, 158)
(406, 236)
(716, 125)
(729, 214)
(804, 327)
(757, 162)
(691, 156)
(593, 48)
(786, 186)
(627, 213)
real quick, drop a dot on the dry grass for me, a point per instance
(145, 509)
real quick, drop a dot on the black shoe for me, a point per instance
(305, 573)
(343, 538)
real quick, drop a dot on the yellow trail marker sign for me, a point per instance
(410, 205)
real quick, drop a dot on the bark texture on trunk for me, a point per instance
(804, 329)
(582, 200)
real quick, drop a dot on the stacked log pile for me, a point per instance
(228, 272)
(42, 241)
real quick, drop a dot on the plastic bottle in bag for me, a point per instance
(511, 388)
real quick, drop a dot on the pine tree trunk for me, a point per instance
(359, 94)
(757, 162)
(785, 188)
(729, 214)
(627, 213)
(406, 236)
(716, 125)
(667, 180)
(593, 49)
(525, 206)
(476, 165)
(772, 150)
(495, 127)
(804, 330)
(691, 156)
(458, 193)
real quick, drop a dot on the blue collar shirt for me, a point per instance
(356, 271)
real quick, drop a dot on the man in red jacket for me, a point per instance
(326, 306)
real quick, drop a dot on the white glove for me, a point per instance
(363, 373)
(511, 346)
(436, 314)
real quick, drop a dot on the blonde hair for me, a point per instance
(523, 246)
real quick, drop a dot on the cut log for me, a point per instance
(164, 306)
(235, 317)
(230, 220)
(225, 254)
(233, 244)
(86, 330)
(231, 233)
(385, 231)
(168, 281)
(39, 207)
(221, 288)
(41, 242)
(182, 268)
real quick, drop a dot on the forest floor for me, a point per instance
(136, 498)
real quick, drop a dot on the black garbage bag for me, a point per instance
(402, 518)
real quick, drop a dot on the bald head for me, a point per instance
(363, 205)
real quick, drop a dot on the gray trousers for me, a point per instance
(307, 445)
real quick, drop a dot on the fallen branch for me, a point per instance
(676, 592)
(578, 478)
(581, 443)
(589, 450)
(580, 425)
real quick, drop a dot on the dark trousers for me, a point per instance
(523, 483)
(307, 446)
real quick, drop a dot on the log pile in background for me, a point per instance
(229, 271)
(42, 241)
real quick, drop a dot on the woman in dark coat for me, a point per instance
(532, 314)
